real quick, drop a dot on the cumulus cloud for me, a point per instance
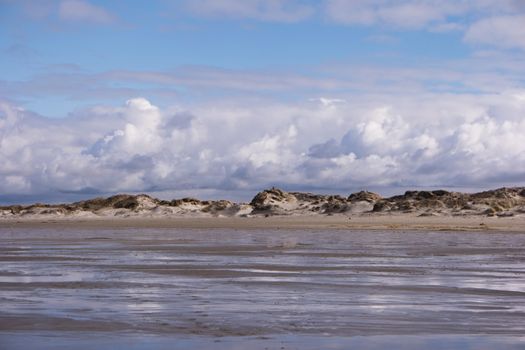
(83, 11)
(462, 141)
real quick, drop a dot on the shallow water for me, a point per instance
(273, 288)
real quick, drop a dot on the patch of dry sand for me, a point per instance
(342, 222)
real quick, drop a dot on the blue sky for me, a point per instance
(343, 94)
(164, 36)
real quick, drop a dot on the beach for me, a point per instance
(277, 283)
(337, 222)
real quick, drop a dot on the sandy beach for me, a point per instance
(287, 271)
(338, 222)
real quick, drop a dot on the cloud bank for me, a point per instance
(297, 113)
(441, 140)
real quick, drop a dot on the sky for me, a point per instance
(223, 98)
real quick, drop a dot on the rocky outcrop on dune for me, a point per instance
(274, 201)
(364, 196)
(278, 202)
(502, 202)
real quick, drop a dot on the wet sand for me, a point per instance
(99, 286)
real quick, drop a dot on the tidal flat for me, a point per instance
(234, 288)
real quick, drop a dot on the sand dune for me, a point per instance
(500, 209)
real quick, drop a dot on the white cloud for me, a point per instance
(140, 147)
(262, 10)
(437, 15)
(484, 22)
(328, 102)
(502, 31)
(83, 11)
(405, 14)
(486, 72)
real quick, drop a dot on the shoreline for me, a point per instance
(298, 222)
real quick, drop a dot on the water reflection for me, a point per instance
(232, 283)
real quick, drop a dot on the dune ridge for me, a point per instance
(502, 202)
